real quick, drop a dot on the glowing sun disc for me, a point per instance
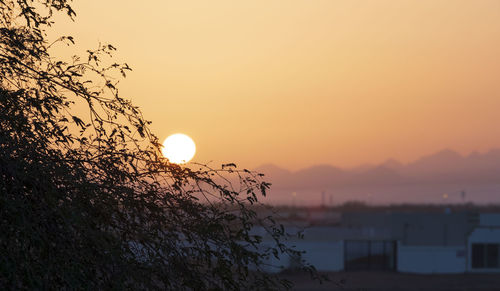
(178, 148)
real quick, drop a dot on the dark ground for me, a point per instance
(379, 281)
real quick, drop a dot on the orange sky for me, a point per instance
(298, 83)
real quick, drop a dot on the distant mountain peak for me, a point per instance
(445, 155)
(273, 171)
(392, 164)
(448, 152)
(321, 167)
(269, 166)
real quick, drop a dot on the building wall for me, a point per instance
(489, 219)
(431, 259)
(428, 243)
(325, 256)
(483, 235)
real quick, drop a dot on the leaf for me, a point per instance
(78, 121)
(230, 165)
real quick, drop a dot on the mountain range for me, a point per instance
(434, 173)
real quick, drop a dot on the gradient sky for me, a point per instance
(304, 82)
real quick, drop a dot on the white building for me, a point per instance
(426, 243)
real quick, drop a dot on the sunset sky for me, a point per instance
(298, 83)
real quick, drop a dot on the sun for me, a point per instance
(178, 148)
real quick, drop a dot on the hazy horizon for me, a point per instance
(441, 177)
(382, 162)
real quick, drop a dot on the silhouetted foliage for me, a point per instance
(87, 201)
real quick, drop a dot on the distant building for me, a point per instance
(424, 243)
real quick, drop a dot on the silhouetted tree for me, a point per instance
(87, 201)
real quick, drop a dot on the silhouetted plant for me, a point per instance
(88, 202)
